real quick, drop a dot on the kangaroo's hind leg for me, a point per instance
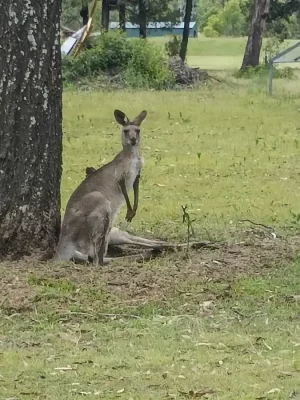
(100, 223)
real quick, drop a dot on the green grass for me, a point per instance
(203, 46)
(232, 154)
(245, 346)
(219, 53)
(225, 321)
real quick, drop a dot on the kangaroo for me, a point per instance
(95, 203)
(117, 237)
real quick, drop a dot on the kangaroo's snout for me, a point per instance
(133, 141)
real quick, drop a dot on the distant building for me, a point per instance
(155, 29)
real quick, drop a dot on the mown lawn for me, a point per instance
(228, 153)
(117, 334)
(220, 53)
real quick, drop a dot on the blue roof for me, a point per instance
(152, 25)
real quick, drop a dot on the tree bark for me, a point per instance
(298, 24)
(255, 37)
(105, 15)
(30, 127)
(186, 29)
(122, 15)
(84, 12)
(143, 19)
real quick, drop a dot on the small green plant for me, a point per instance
(271, 48)
(287, 73)
(172, 47)
(186, 219)
(210, 32)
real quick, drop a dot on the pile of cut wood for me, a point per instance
(185, 75)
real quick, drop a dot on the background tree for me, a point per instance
(227, 21)
(205, 9)
(71, 13)
(84, 12)
(142, 12)
(105, 15)
(143, 19)
(273, 17)
(70, 16)
(282, 19)
(30, 120)
(122, 14)
(186, 29)
(255, 37)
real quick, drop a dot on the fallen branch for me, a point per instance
(257, 224)
(214, 78)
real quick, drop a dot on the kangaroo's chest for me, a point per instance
(135, 167)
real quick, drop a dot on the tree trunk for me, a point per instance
(298, 24)
(258, 24)
(186, 29)
(84, 12)
(105, 15)
(30, 127)
(143, 19)
(122, 15)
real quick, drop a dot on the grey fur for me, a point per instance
(94, 205)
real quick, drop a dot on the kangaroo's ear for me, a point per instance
(121, 118)
(140, 118)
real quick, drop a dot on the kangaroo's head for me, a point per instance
(130, 129)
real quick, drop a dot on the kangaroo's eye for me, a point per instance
(137, 131)
(126, 131)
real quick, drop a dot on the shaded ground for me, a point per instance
(23, 285)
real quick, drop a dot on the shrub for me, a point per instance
(147, 67)
(210, 32)
(214, 25)
(139, 62)
(262, 70)
(115, 48)
(172, 47)
(272, 47)
(110, 50)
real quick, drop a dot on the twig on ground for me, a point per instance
(104, 315)
(257, 224)
(214, 78)
(240, 313)
(270, 228)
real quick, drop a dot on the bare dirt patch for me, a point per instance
(133, 283)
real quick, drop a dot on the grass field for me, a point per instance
(228, 153)
(220, 322)
(220, 53)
